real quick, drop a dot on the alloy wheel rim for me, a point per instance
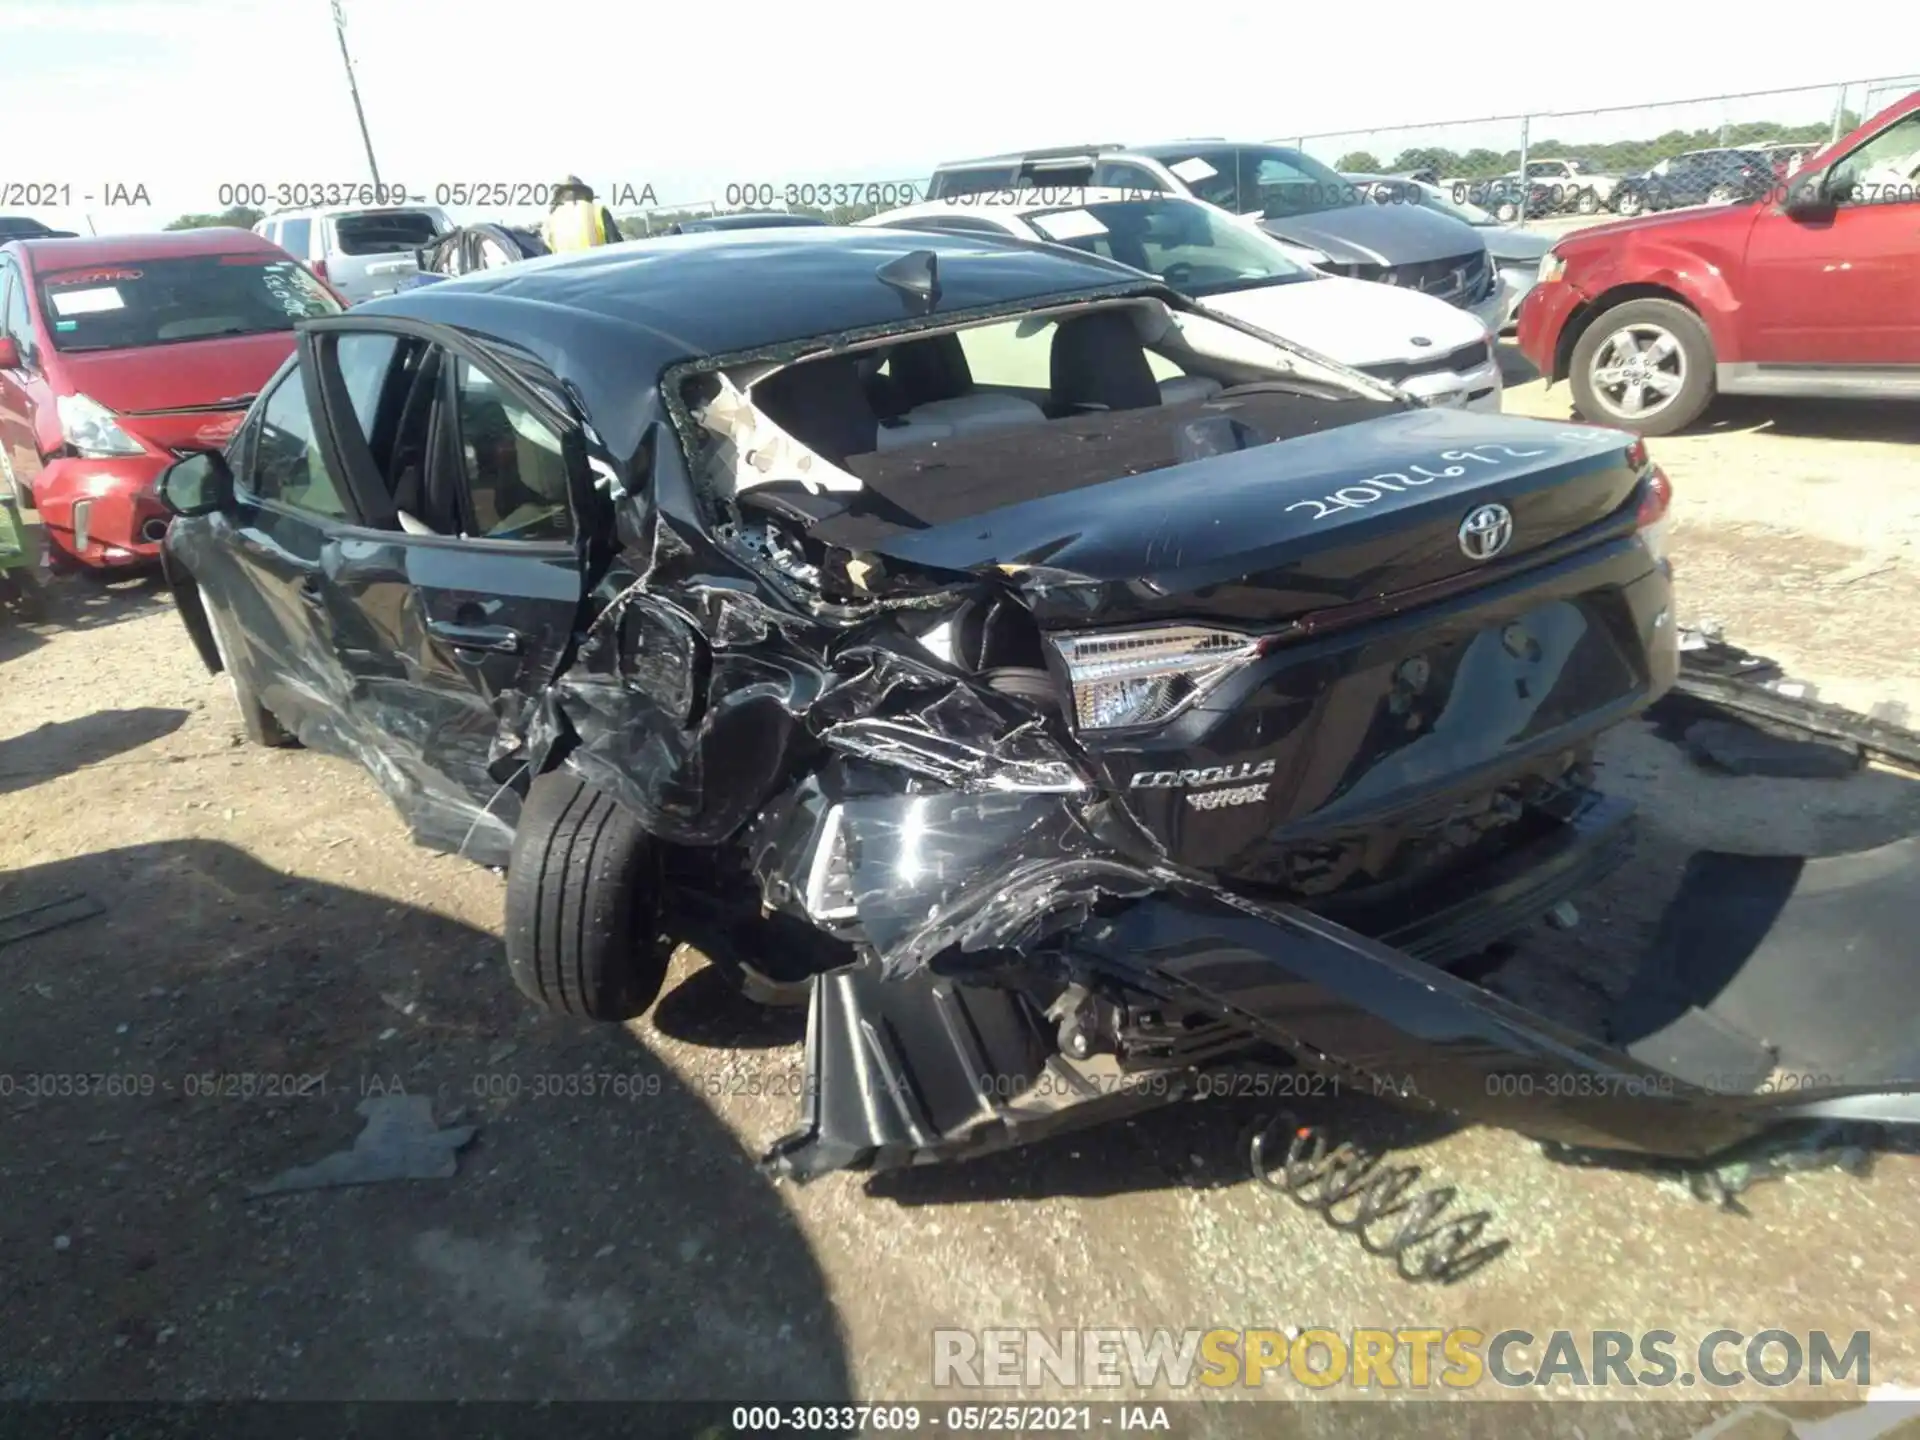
(1638, 370)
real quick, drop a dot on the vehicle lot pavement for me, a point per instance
(266, 916)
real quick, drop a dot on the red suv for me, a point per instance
(1813, 290)
(118, 355)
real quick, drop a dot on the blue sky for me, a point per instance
(183, 95)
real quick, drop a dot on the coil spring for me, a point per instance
(1422, 1245)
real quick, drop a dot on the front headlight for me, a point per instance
(1552, 267)
(1145, 677)
(89, 427)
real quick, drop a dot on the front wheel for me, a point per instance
(583, 904)
(1587, 203)
(1506, 212)
(1646, 365)
(1630, 204)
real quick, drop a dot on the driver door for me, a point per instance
(1838, 291)
(452, 615)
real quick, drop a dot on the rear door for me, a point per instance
(450, 618)
(1840, 290)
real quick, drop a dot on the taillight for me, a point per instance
(320, 268)
(1656, 499)
(1651, 518)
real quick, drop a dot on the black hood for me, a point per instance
(1378, 234)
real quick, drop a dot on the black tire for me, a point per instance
(262, 727)
(22, 587)
(1587, 203)
(1629, 203)
(1695, 391)
(1506, 212)
(583, 898)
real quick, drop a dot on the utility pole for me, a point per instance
(340, 29)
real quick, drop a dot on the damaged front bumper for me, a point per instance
(1026, 977)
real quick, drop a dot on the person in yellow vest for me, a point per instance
(577, 220)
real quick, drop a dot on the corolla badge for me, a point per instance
(1486, 531)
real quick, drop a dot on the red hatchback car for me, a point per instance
(118, 355)
(1812, 290)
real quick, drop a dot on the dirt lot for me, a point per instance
(265, 916)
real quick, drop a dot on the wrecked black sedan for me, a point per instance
(1064, 690)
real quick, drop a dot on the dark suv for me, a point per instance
(1699, 177)
(1326, 220)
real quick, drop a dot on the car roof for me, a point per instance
(160, 245)
(1161, 149)
(611, 319)
(752, 220)
(1046, 152)
(337, 212)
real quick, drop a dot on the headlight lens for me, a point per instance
(89, 427)
(1552, 267)
(1144, 677)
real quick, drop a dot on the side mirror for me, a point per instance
(1807, 197)
(9, 353)
(197, 485)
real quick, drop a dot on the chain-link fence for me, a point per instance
(1557, 169)
(1552, 170)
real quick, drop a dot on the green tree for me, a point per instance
(1428, 157)
(240, 217)
(1358, 162)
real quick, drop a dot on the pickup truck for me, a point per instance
(1805, 291)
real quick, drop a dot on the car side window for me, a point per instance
(1217, 177)
(15, 320)
(493, 254)
(511, 461)
(1883, 170)
(1125, 175)
(294, 237)
(287, 463)
(365, 361)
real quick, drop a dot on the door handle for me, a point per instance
(495, 639)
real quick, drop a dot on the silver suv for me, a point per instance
(363, 254)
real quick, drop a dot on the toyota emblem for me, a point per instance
(1486, 531)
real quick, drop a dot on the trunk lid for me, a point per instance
(1271, 533)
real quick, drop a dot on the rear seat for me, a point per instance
(979, 413)
(1179, 389)
(839, 407)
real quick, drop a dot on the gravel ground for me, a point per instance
(267, 917)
